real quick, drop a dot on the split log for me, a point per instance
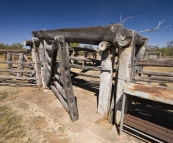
(64, 103)
(155, 73)
(60, 89)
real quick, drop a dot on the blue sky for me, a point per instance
(18, 18)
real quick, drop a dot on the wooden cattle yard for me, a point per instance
(134, 99)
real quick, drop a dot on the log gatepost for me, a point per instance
(108, 54)
(127, 55)
(35, 57)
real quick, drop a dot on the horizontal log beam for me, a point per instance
(88, 35)
(9, 62)
(157, 64)
(19, 78)
(82, 49)
(16, 71)
(86, 75)
(155, 73)
(153, 79)
(85, 67)
(17, 84)
(84, 59)
(15, 51)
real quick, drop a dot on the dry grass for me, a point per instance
(11, 129)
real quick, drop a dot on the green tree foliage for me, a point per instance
(74, 45)
(166, 51)
(14, 46)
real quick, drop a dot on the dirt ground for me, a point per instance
(30, 115)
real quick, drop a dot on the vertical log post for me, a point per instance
(85, 56)
(20, 65)
(35, 57)
(126, 58)
(43, 61)
(73, 54)
(9, 57)
(105, 81)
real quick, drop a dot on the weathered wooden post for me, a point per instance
(85, 56)
(20, 65)
(35, 57)
(43, 61)
(105, 80)
(9, 57)
(127, 50)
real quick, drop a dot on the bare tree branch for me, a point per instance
(157, 28)
(122, 21)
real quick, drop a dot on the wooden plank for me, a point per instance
(158, 94)
(149, 128)
(156, 73)
(65, 74)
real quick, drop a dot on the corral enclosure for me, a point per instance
(127, 83)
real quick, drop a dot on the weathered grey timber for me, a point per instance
(65, 74)
(9, 57)
(105, 81)
(92, 35)
(37, 66)
(126, 60)
(20, 66)
(15, 51)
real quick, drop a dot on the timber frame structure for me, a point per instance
(54, 62)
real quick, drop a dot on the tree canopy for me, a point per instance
(14, 46)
